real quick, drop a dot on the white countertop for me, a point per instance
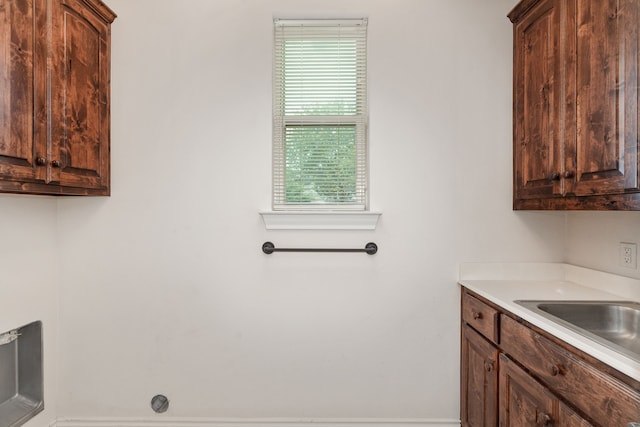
(503, 284)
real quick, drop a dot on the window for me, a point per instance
(320, 115)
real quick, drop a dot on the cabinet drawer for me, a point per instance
(480, 317)
(606, 400)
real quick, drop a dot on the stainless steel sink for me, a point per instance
(615, 324)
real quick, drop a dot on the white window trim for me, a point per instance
(304, 217)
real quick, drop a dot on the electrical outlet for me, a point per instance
(628, 255)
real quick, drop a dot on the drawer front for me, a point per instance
(601, 397)
(480, 317)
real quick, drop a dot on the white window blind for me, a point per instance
(320, 115)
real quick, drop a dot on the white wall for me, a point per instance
(164, 289)
(488, 229)
(164, 286)
(593, 239)
(29, 285)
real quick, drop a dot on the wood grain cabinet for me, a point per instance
(576, 104)
(526, 402)
(479, 373)
(479, 380)
(55, 97)
(518, 375)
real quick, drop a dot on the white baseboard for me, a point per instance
(216, 422)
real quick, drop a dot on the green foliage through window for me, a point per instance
(320, 164)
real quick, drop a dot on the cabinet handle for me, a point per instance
(488, 366)
(543, 419)
(476, 315)
(41, 161)
(55, 163)
(568, 174)
(555, 176)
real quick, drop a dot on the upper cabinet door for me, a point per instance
(605, 33)
(80, 95)
(576, 104)
(54, 96)
(18, 52)
(537, 87)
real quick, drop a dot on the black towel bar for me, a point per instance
(269, 248)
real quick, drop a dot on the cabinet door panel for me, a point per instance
(18, 51)
(479, 380)
(524, 401)
(569, 418)
(81, 98)
(606, 37)
(537, 80)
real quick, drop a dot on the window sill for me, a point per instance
(288, 220)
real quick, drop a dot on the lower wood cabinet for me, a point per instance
(479, 380)
(569, 418)
(515, 375)
(526, 402)
(607, 400)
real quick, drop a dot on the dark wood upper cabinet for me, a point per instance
(576, 104)
(536, 95)
(17, 52)
(54, 111)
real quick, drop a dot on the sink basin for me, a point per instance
(615, 324)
